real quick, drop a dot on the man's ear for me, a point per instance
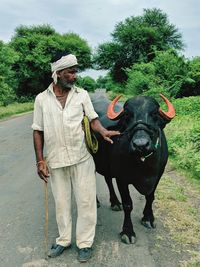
(58, 73)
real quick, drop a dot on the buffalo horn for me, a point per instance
(170, 114)
(111, 114)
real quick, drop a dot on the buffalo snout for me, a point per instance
(140, 145)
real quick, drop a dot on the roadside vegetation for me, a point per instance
(14, 109)
(183, 134)
(177, 207)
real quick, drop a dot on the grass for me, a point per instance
(193, 262)
(14, 109)
(177, 200)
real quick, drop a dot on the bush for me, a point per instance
(168, 73)
(7, 95)
(86, 83)
(8, 82)
(141, 78)
(183, 135)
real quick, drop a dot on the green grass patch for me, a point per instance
(14, 109)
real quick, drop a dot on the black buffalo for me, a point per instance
(138, 156)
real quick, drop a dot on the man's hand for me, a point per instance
(98, 127)
(42, 170)
(107, 134)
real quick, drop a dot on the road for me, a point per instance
(22, 213)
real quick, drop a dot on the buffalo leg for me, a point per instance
(148, 218)
(127, 235)
(115, 204)
(98, 202)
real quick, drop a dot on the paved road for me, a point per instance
(22, 212)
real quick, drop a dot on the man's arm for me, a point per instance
(98, 127)
(38, 140)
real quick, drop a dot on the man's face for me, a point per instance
(67, 77)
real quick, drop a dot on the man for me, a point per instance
(57, 122)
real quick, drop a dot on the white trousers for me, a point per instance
(81, 178)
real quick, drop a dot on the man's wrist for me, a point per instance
(40, 161)
(103, 131)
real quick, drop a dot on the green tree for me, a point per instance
(107, 83)
(37, 46)
(87, 83)
(141, 78)
(136, 40)
(191, 85)
(8, 82)
(166, 73)
(101, 81)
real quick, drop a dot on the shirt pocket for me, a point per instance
(75, 113)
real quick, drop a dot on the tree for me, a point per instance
(8, 82)
(37, 46)
(87, 83)
(141, 79)
(191, 86)
(167, 73)
(107, 83)
(101, 82)
(136, 40)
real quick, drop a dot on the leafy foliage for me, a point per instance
(142, 78)
(86, 83)
(168, 73)
(184, 135)
(8, 83)
(108, 83)
(191, 85)
(37, 46)
(136, 40)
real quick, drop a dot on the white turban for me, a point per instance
(63, 63)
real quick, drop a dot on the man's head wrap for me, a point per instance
(63, 63)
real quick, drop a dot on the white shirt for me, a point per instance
(63, 133)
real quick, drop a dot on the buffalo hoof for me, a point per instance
(128, 239)
(117, 207)
(148, 224)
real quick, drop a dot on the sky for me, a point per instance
(95, 20)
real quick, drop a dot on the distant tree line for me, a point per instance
(142, 58)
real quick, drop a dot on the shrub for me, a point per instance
(183, 135)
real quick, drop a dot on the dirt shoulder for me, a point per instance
(177, 211)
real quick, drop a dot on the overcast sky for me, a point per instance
(94, 20)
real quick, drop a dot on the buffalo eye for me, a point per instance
(128, 116)
(154, 115)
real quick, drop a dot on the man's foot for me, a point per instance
(56, 250)
(84, 254)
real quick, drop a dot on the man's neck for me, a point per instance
(59, 91)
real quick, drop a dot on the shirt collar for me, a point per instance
(74, 88)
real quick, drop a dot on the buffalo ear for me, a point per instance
(162, 121)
